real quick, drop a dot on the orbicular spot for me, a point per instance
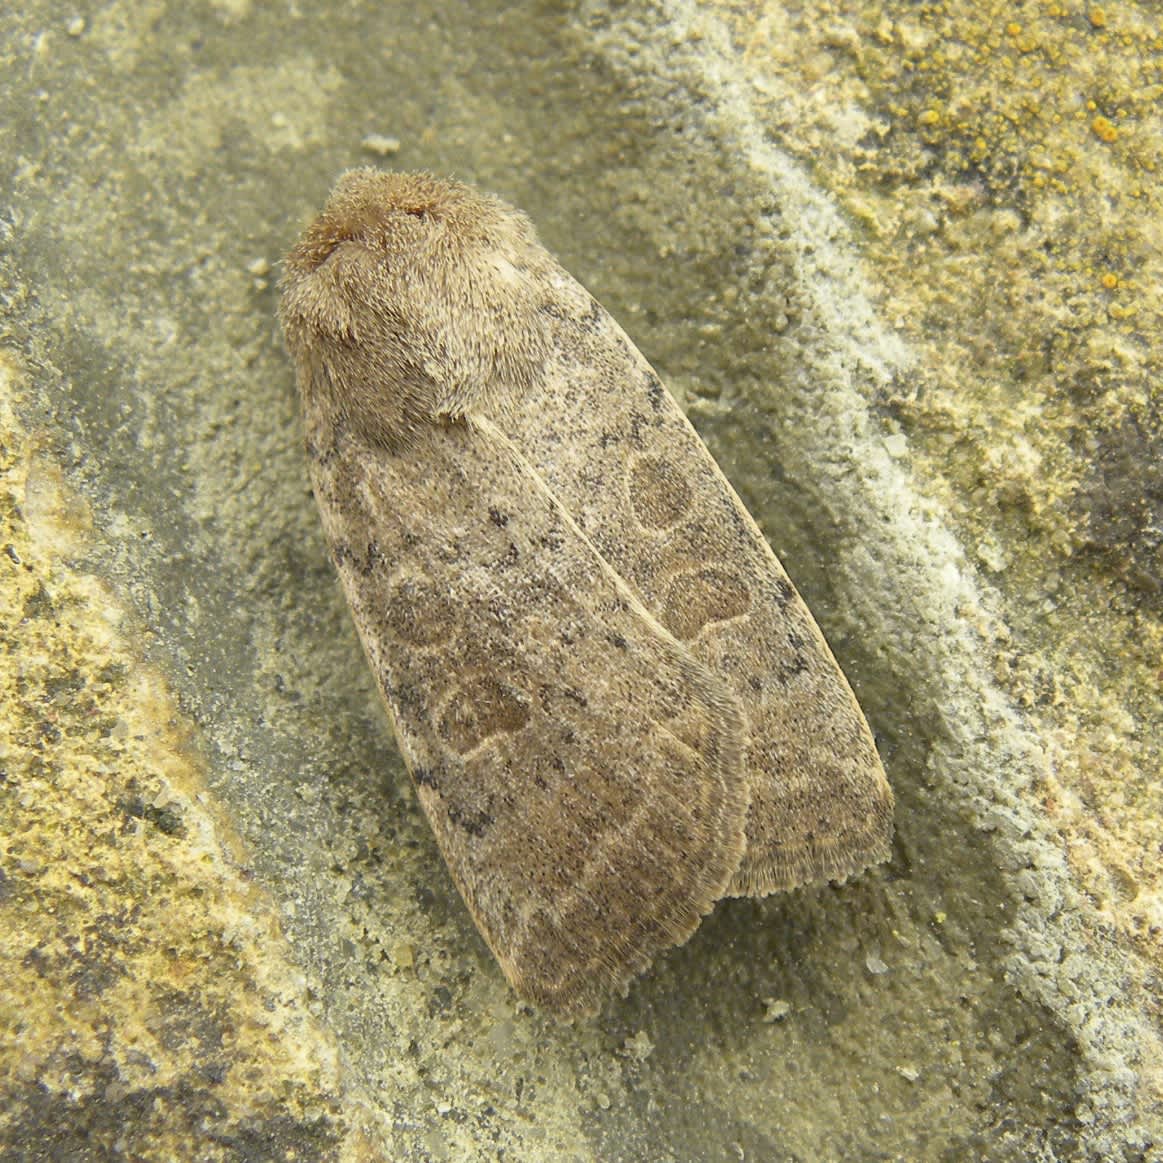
(659, 492)
(482, 707)
(695, 599)
(418, 614)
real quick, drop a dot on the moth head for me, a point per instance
(412, 299)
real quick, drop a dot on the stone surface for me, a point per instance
(902, 264)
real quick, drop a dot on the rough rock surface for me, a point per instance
(901, 263)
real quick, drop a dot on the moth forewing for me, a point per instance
(581, 772)
(619, 453)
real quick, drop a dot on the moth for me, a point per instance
(614, 705)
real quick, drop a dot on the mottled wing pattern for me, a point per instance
(584, 838)
(619, 454)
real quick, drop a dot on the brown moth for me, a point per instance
(614, 705)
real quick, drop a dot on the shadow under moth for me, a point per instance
(614, 705)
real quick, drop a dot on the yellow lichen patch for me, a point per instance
(1104, 129)
(136, 958)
